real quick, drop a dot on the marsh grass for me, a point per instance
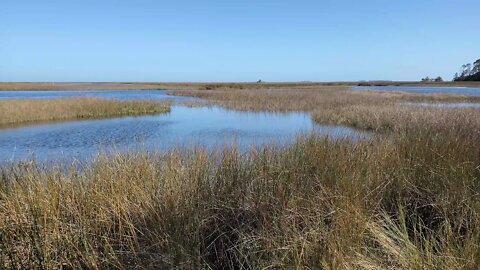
(409, 201)
(380, 111)
(42, 86)
(35, 86)
(399, 118)
(21, 112)
(311, 99)
(406, 200)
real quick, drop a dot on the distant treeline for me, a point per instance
(468, 72)
(428, 79)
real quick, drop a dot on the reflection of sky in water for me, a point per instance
(182, 127)
(469, 91)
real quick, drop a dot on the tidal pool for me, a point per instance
(207, 127)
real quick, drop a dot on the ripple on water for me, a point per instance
(183, 126)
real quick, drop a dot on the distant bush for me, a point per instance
(437, 79)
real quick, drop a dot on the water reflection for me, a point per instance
(182, 127)
(110, 94)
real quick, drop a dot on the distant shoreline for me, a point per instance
(72, 86)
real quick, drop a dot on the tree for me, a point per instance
(439, 79)
(426, 79)
(469, 72)
(476, 67)
(466, 70)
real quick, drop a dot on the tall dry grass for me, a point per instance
(312, 99)
(19, 112)
(380, 111)
(407, 202)
(399, 118)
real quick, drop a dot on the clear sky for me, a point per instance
(242, 40)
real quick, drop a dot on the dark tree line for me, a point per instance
(468, 72)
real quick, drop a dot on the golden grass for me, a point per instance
(399, 118)
(371, 110)
(406, 199)
(312, 98)
(407, 202)
(20, 112)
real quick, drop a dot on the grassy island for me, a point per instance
(21, 112)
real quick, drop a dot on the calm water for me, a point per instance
(470, 91)
(112, 94)
(183, 126)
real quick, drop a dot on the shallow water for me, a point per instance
(110, 94)
(469, 91)
(182, 127)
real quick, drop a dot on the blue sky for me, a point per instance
(244, 40)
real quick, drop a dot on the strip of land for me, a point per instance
(44, 86)
(22, 112)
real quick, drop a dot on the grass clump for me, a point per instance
(399, 118)
(20, 112)
(312, 99)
